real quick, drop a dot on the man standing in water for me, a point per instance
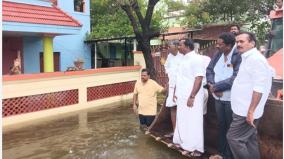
(249, 93)
(145, 91)
(173, 60)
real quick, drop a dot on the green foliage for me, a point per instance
(108, 20)
(250, 12)
(256, 18)
(174, 5)
(196, 15)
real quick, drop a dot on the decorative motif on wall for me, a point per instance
(33, 103)
(109, 90)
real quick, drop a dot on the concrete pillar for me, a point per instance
(139, 59)
(48, 65)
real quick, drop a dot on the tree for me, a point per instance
(143, 27)
(108, 20)
(114, 18)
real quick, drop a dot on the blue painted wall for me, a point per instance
(72, 47)
(32, 48)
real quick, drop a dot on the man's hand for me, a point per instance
(166, 89)
(174, 98)
(219, 94)
(210, 86)
(135, 109)
(190, 102)
(250, 119)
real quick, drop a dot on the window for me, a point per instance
(79, 5)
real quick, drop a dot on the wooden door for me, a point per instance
(56, 61)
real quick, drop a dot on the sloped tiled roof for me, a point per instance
(33, 14)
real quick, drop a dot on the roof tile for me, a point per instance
(27, 13)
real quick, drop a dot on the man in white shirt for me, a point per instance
(249, 93)
(220, 75)
(189, 94)
(171, 65)
(206, 61)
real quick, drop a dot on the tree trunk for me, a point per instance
(146, 49)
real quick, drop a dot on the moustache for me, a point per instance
(238, 47)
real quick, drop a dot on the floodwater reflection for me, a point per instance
(107, 133)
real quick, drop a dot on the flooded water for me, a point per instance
(107, 133)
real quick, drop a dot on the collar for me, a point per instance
(190, 53)
(249, 52)
(230, 54)
(179, 54)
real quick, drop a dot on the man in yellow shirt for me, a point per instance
(146, 92)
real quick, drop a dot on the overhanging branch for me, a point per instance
(150, 10)
(131, 17)
(136, 8)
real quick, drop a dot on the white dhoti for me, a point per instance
(189, 125)
(189, 120)
(172, 81)
(169, 101)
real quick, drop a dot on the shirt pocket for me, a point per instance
(228, 70)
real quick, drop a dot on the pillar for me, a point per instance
(48, 65)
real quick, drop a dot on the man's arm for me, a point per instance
(260, 74)
(256, 96)
(134, 103)
(227, 83)
(195, 89)
(210, 74)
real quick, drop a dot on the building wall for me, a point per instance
(72, 47)
(10, 47)
(32, 48)
(50, 94)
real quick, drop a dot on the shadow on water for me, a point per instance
(107, 133)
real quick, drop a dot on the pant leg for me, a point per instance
(241, 138)
(228, 116)
(220, 111)
(142, 119)
(252, 144)
(149, 120)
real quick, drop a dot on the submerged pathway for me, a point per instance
(106, 133)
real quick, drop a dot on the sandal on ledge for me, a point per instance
(215, 157)
(177, 146)
(184, 152)
(195, 154)
(169, 135)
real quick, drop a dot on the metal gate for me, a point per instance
(159, 54)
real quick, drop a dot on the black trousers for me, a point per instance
(146, 119)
